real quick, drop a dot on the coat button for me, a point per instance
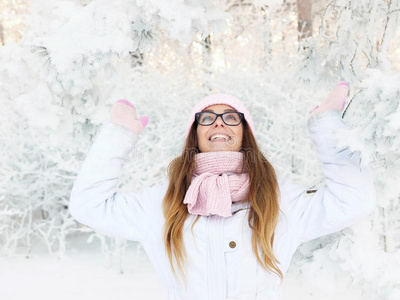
(232, 244)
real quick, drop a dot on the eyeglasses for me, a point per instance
(206, 118)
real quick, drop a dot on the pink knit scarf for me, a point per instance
(216, 183)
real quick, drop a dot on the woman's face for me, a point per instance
(234, 134)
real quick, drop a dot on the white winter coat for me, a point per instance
(221, 265)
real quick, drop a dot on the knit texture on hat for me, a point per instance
(220, 98)
(218, 181)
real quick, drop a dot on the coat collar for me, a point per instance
(236, 206)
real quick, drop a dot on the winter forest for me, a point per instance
(63, 64)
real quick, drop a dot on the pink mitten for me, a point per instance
(335, 100)
(124, 113)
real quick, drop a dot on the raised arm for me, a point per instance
(348, 194)
(94, 199)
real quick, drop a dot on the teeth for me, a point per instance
(218, 136)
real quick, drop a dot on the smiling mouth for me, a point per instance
(220, 139)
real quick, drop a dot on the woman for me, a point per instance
(223, 218)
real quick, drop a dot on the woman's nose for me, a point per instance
(219, 121)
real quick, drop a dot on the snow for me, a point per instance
(80, 274)
(83, 273)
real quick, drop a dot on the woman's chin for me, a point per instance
(220, 147)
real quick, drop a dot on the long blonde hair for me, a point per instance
(263, 198)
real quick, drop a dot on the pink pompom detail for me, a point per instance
(125, 102)
(344, 103)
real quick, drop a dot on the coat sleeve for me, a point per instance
(348, 194)
(94, 199)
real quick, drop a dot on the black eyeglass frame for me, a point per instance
(198, 114)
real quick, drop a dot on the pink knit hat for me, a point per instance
(220, 99)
